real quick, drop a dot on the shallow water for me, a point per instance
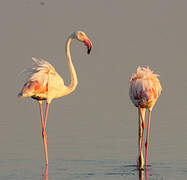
(91, 169)
(92, 133)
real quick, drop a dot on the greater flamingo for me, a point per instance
(45, 83)
(144, 90)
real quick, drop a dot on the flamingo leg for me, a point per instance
(140, 138)
(41, 114)
(44, 135)
(142, 123)
(46, 114)
(147, 139)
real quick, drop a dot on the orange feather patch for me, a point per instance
(35, 87)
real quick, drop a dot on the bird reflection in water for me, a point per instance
(143, 174)
(45, 173)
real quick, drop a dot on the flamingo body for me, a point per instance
(144, 91)
(145, 88)
(44, 83)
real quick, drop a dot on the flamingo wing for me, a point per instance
(43, 80)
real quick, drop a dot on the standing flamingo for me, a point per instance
(144, 90)
(45, 83)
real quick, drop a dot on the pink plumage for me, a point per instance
(144, 91)
(44, 83)
(145, 88)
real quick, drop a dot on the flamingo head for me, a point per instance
(81, 36)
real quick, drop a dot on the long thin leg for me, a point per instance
(46, 113)
(147, 139)
(45, 135)
(143, 118)
(140, 138)
(142, 123)
(41, 114)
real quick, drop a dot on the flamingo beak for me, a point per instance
(88, 43)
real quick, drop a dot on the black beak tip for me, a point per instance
(89, 50)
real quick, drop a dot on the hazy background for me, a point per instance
(97, 121)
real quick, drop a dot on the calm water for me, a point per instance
(90, 169)
(92, 133)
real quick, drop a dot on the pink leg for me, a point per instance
(141, 116)
(147, 139)
(140, 138)
(41, 114)
(42, 120)
(44, 135)
(46, 113)
(143, 126)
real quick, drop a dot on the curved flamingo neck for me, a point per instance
(73, 74)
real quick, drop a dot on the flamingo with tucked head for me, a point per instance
(45, 84)
(144, 90)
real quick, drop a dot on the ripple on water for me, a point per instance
(117, 169)
(92, 169)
